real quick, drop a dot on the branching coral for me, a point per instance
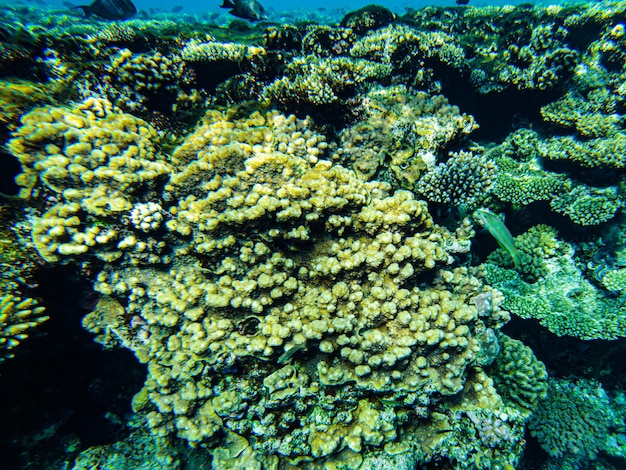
(463, 179)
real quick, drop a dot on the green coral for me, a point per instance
(519, 377)
(522, 179)
(551, 288)
(602, 152)
(585, 205)
(574, 420)
(615, 280)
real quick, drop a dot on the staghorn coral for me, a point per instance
(324, 41)
(586, 205)
(603, 152)
(207, 52)
(305, 280)
(87, 163)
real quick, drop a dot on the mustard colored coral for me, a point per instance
(294, 268)
(93, 162)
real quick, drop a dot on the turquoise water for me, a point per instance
(380, 238)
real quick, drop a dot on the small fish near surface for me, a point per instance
(462, 2)
(110, 9)
(177, 9)
(250, 10)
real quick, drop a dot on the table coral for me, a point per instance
(522, 178)
(294, 309)
(550, 287)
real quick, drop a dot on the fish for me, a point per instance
(110, 9)
(498, 230)
(250, 10)
(462, 2)
(177, 8)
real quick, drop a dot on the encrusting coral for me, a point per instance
(550, 287)
(402, 134)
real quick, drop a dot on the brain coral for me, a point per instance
(304, 309)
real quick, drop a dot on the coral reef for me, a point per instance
(275, 218)
(522, 179)
(322, 81)
(19, 313)
(281, 253)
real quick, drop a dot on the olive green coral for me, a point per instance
(519, 377)
(303, 277)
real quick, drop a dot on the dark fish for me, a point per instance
(110, 9)
(247, 9)
(462, 2)
(177, 9)
(69, 5)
